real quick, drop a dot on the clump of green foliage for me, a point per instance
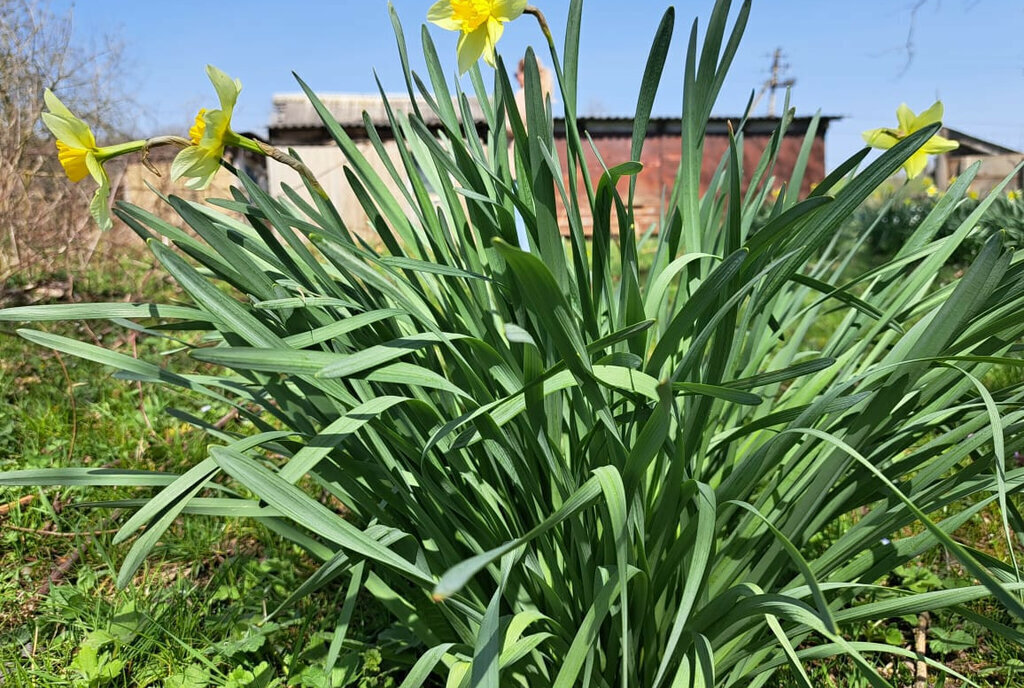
(554, 474)
(894, 217)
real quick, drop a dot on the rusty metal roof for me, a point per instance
(294, 111)
(972, 145)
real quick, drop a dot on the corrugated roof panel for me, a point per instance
(293, 110)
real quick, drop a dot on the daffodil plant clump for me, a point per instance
(560, 466)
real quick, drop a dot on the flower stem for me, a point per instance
(107, 152)
(542, 20)
(157, 141)
(145, 145)
(118, 149)
(556, 62)
(283, 158)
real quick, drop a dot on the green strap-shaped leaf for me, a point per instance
(311, 514)
(801, 564)
(113, 359)
(425, 665)
(457, 576)
(172, 496)
(787, 373)
(223, 507)
(301, 340)
(334, 434)
(341, 629)
(787, 647)
(100, 311)
(335, 566)
(840, 294)
(142, 547)
(89, 477)
(486, 653)
(718, 392)
(175, 492)
(382, 353)
(703, 547)
(615, 502)
(226, 310)
(999, 590)
(588, 632)
(415, 376)
(546, 301)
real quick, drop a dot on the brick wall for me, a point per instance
(661, 156)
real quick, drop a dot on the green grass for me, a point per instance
(198, 605)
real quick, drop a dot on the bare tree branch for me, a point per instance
(909, 44)
(43, 217)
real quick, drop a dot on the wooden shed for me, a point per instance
(996, 162)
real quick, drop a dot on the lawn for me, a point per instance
(196, 611)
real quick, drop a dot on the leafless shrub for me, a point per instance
(44, 220)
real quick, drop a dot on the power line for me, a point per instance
(774, 83)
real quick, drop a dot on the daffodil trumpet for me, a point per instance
(480, 24)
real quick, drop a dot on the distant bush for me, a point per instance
(895, 220)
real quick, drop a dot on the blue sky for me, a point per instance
(849, 58)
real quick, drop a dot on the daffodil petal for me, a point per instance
(915, 164)
(507, 10)
(218, 123)
(226, 87)
(494, 30)
(200, 182)
(96, 170)
(929, 116)
(905, 116)
(937, 144)
(54, 105)
(76, 133)
(71, 132)
(194, 162)
(440, 13)
(99, 207)
(880, 138)
(471, 46)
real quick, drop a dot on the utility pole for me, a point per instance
(774, 82)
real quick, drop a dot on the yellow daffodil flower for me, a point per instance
(79, 155)
(932, 191)
(199, 162)
(908, 124)
(480, 24)
(1014, 195)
